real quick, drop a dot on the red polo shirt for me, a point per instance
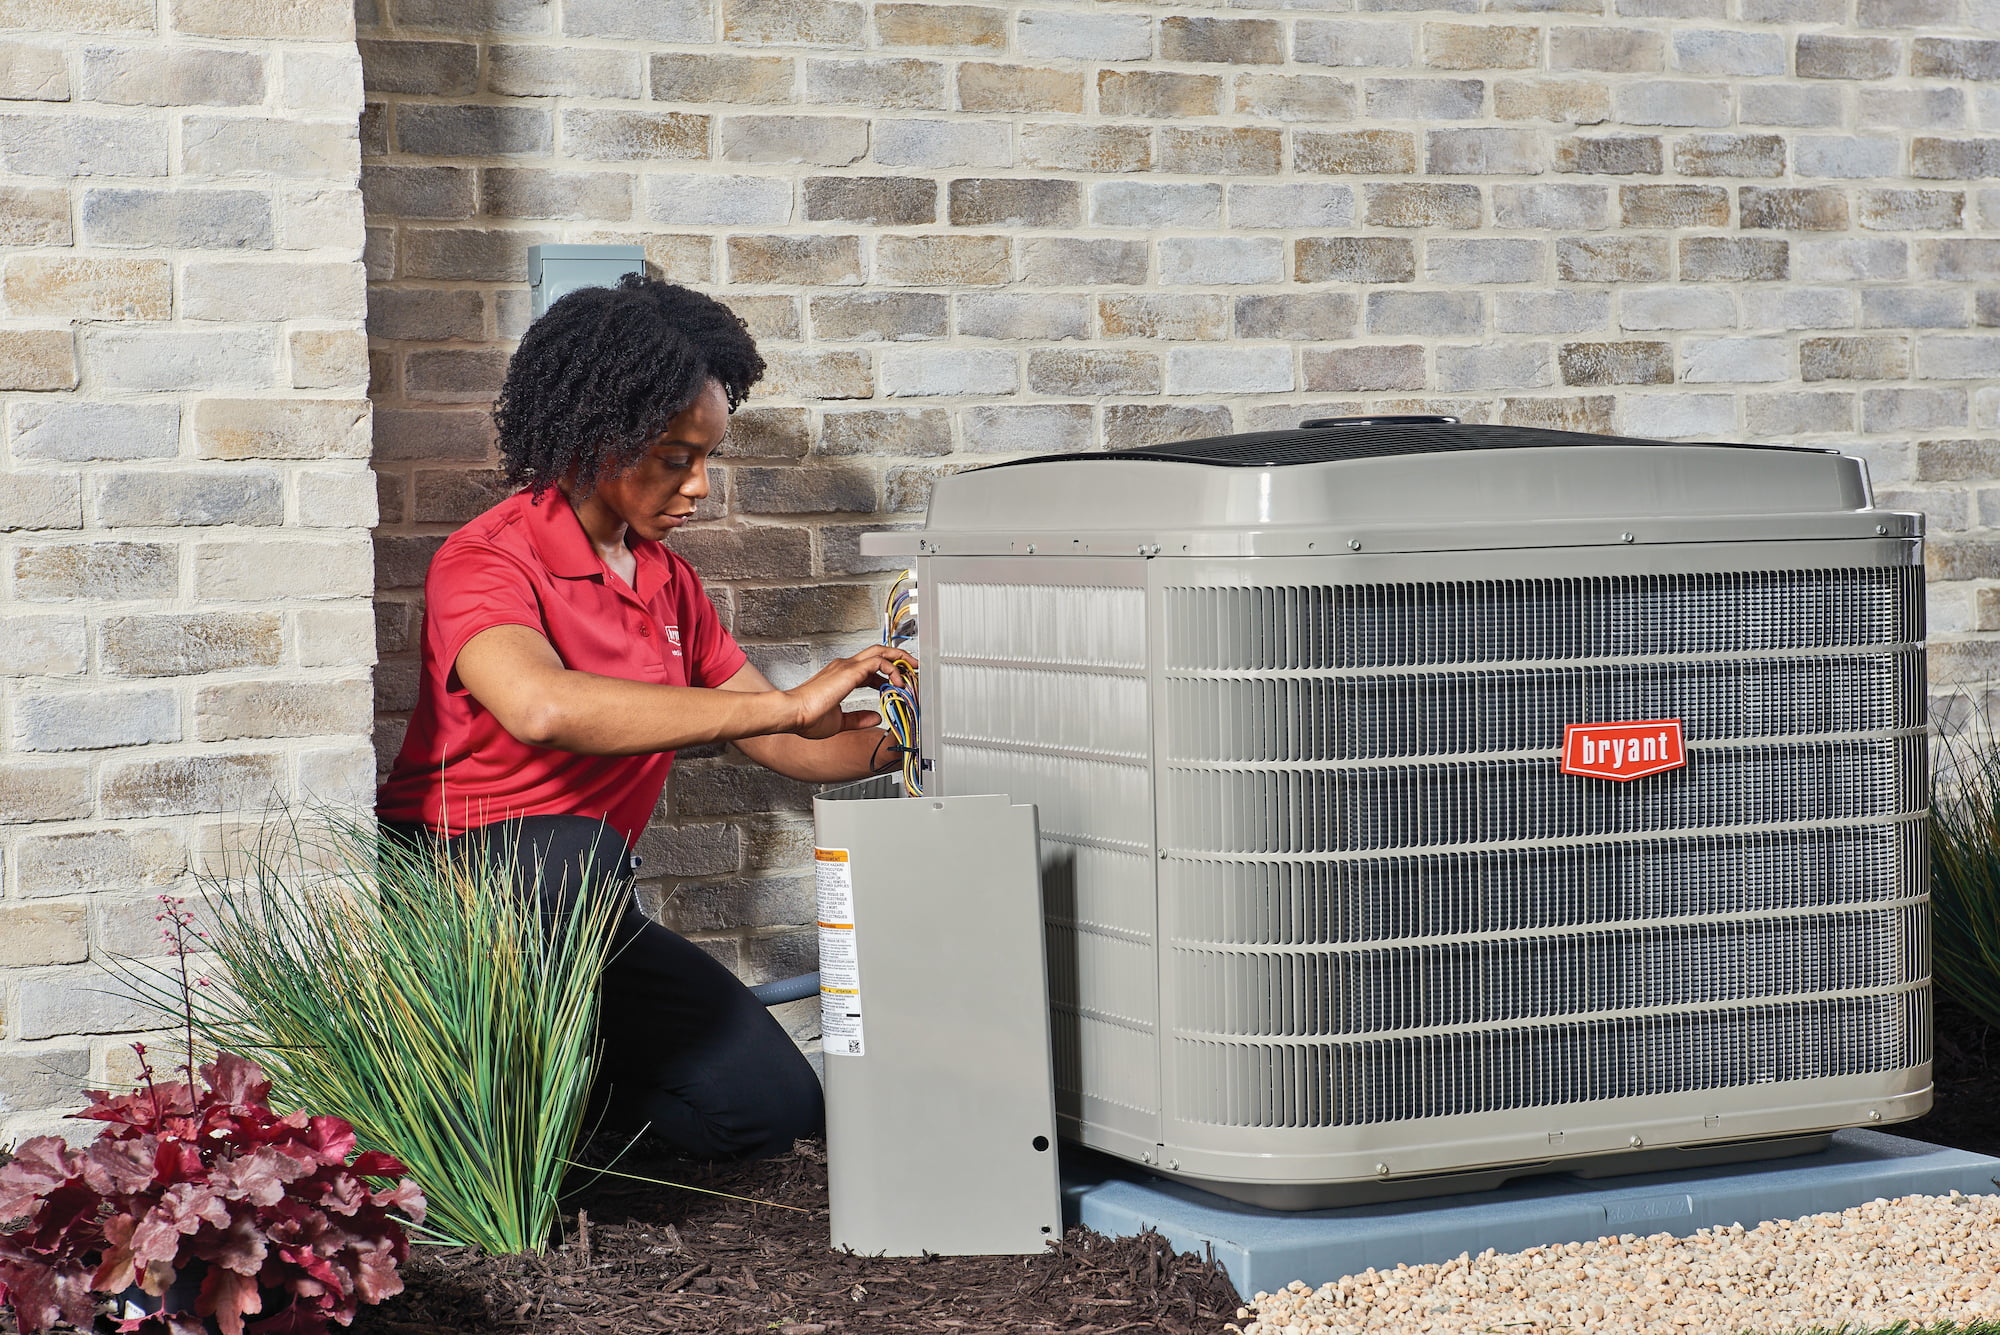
(530, 564)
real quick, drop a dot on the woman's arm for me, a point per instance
(516, 674)
(853, 753)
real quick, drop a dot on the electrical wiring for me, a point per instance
(900, 711)
(899, 611)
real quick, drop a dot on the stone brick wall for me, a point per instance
(969, 230)
(185, 632)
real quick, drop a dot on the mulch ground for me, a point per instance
(644, 1258)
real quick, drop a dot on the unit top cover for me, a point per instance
(1394, 472)
(1336, 439)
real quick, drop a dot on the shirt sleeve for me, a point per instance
(473, 586)
(713, 656)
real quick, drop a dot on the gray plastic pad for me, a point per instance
(1263, 1250)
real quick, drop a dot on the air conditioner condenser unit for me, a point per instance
(1424, 804)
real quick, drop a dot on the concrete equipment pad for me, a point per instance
(1265, 1250)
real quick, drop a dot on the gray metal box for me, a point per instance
(939, 1111)
(554, 271)
(1326, 917)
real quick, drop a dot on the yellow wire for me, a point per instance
(900, 712)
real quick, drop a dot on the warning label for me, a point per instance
(839, 965)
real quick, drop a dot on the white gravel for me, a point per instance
(1920, 1259)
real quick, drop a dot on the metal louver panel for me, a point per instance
(1048, 701)
(1320, 993)
(1390, 1080)
(1500, 801)
(1063, 625)
(1270, 718)
(1330, 901)
(1382, 901)
(1530, 620)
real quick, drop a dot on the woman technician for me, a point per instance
(567, 655)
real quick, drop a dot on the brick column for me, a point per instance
(185, 635)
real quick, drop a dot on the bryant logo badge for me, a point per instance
(674, 638)
(1623, 751)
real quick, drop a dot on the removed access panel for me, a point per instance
(939, 1106)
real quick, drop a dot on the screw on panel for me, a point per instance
(1381, 1170)
(1874, 1116)
(1031, 549)
(1174, 1165)
(1354, 544)
(1880, 529)
(1626, 537)
(1311, 545)
(1636, 1142)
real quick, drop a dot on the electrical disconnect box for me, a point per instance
(554, 271)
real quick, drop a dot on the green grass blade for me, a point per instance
(422, 999)
(1965, 873)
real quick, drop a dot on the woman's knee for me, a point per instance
(798, 1100)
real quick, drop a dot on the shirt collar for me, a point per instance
(652, 569)
(566, 550)
(559, 537)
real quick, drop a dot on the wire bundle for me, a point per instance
(899, 703)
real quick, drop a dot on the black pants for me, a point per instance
(687, 1051)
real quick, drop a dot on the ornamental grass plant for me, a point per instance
(1965, 870)
(418, 995)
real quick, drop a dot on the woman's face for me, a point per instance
(657, 495)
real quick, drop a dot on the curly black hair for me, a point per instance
(604, 370)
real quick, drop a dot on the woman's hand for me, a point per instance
(817, 700)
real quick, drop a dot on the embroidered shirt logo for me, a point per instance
(1623, 751)
(674, 638)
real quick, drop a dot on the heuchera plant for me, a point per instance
(268, 1206)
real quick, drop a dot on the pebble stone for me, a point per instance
(1920, 1259)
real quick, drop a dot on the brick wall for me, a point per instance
(184, 492)
(964, 231)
